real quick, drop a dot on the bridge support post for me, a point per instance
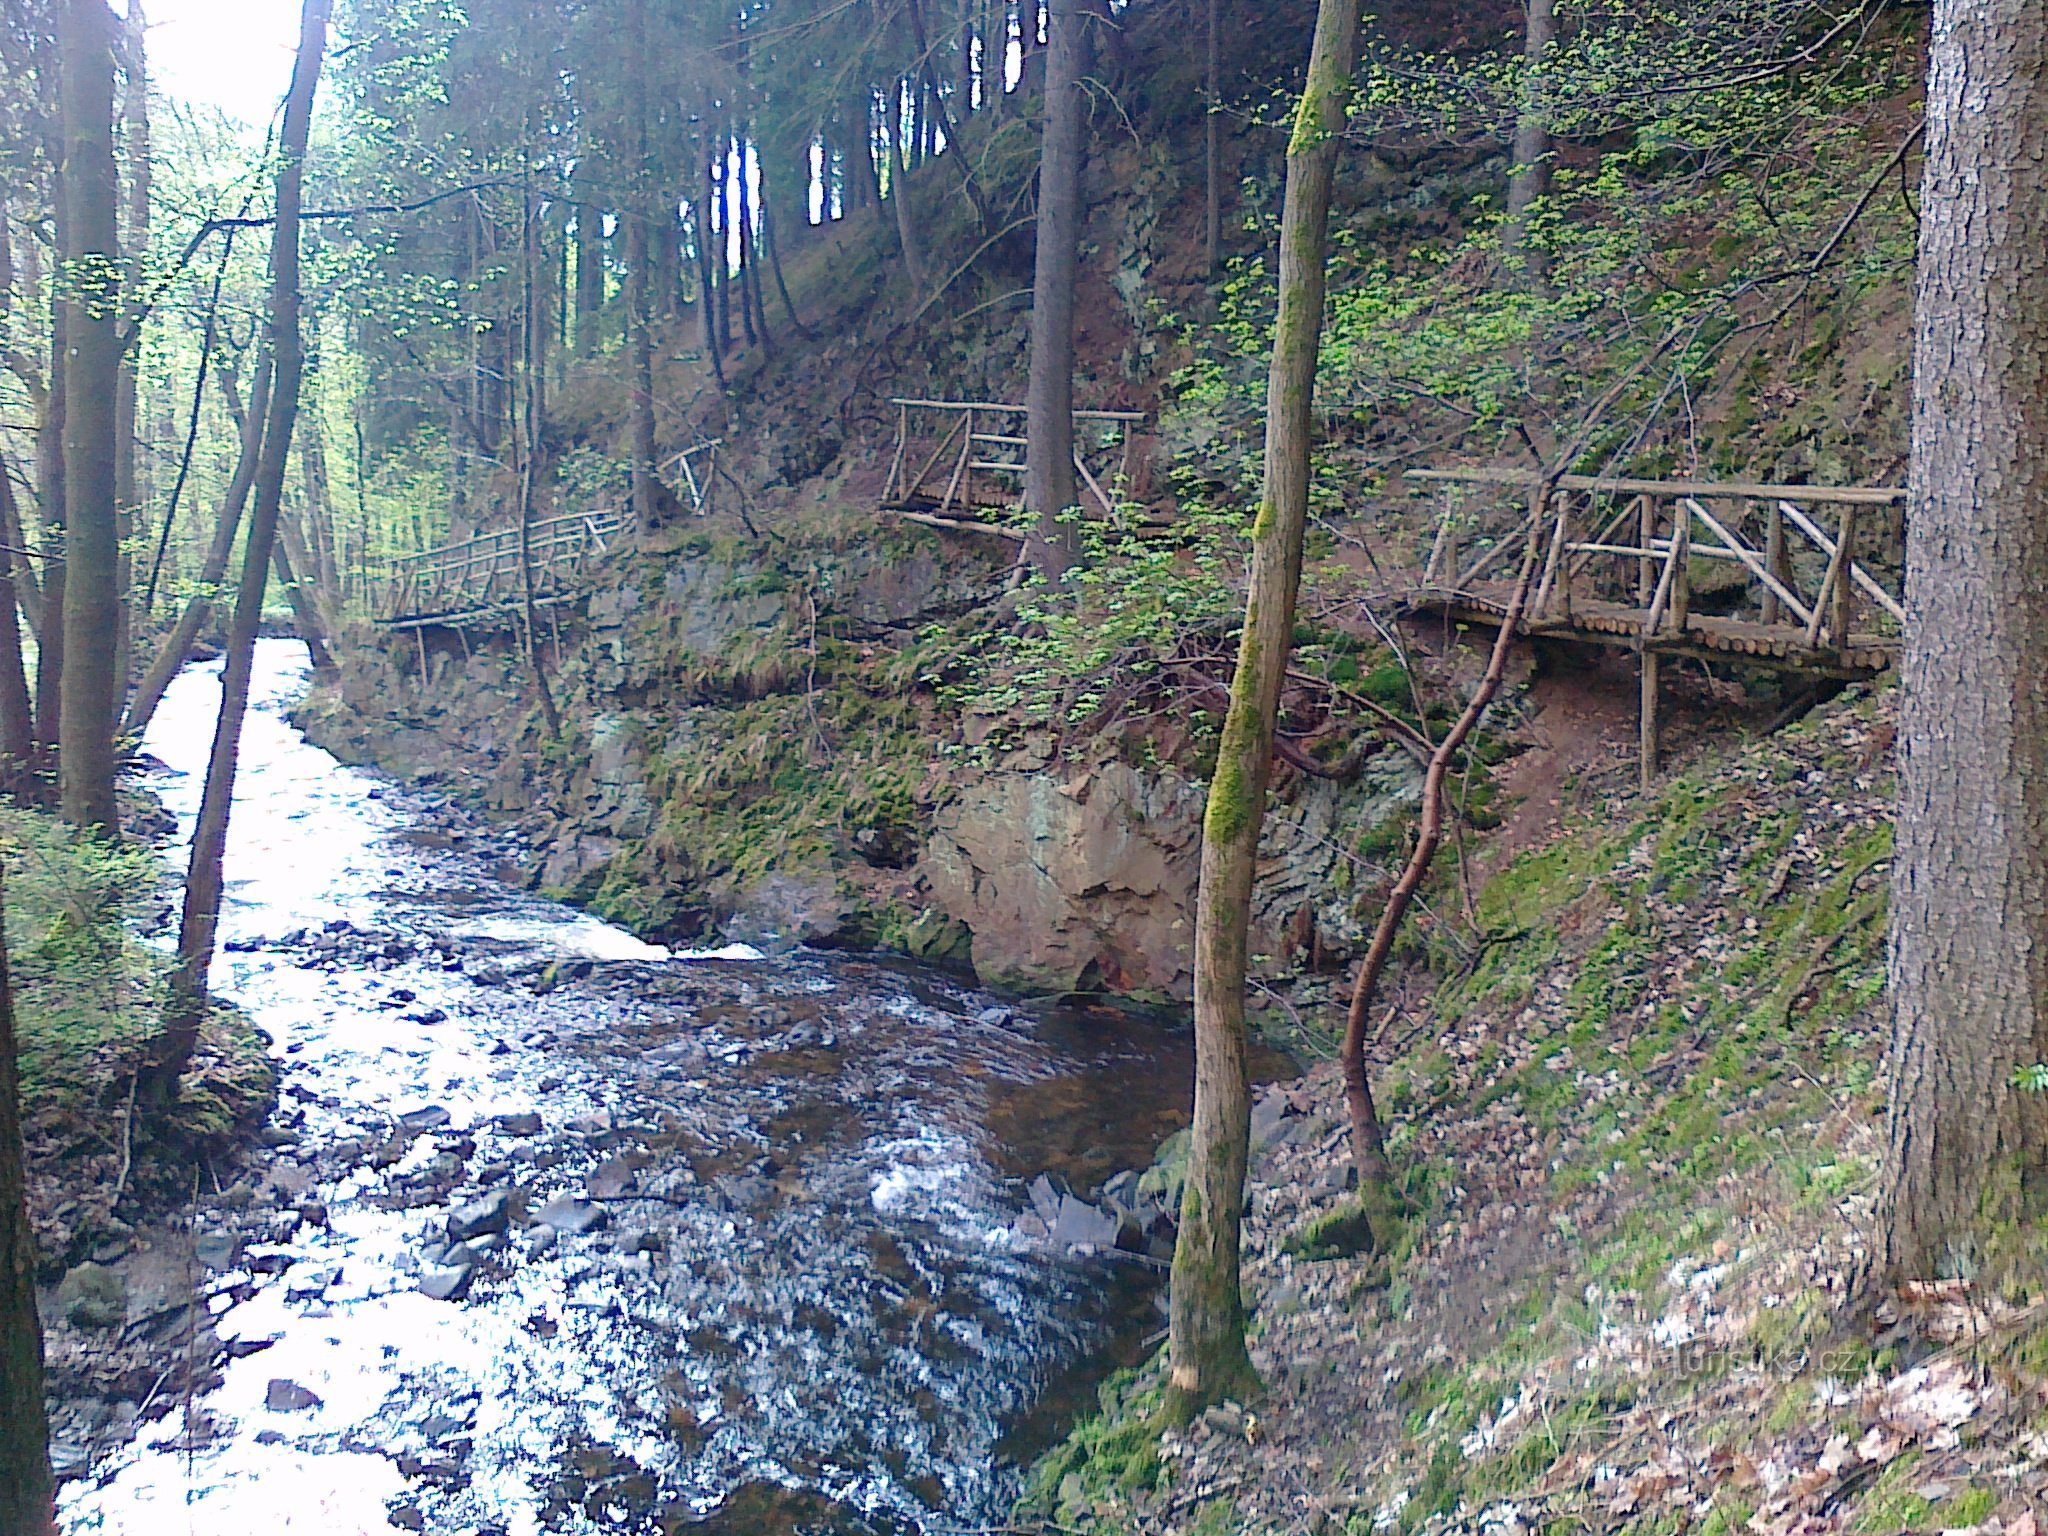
(1648, 747)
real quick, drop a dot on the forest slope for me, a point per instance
(1638, 1119)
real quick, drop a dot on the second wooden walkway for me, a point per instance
(1735, 571)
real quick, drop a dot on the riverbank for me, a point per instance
(1636, 1120)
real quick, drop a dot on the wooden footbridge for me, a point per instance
(960, 463)
(1731, 572)
(481, 582)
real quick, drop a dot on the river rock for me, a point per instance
(1045, 1200)
(429, 1117)
(450, 1284)
(567, 1214)
(479, 1218)
(522, 1123)
(216, 1250)
(1081, 1225)
(283, 1396)
(93, 1296)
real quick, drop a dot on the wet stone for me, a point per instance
(568, 1214)
(522, 1123)
(285, 1396)
(429, 1117)
(493, 1213)
(216, 1250)
(1045, 1200)
(447, 1284)
(1081, 1225)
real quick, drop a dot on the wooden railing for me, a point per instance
(480, 578)
(1612, 542)
(955, 459)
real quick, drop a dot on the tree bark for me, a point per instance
(1968, 1147)
(287, 563)
(1207, 1360)
(1049, 392)
(637, 317)
(186, 1009)
(589, 274)
(17, 716)
(128, 501)
(199, 611)
(1212, 142)
(908, 240)
(27, 1493)
(1529, 172)
(90, 691)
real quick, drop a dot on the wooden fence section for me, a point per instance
(1729, 571)
(480, 580)
(957, 461)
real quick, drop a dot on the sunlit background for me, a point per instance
(235, 55)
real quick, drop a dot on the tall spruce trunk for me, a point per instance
(1969, 904)
(1207, 1360)
(1049, 486)
(128, 497)
(149, 692)
(637, 317)
(1212, 140)
(589, 299)
(188, 1002)
(27, 1500)
(92, 601)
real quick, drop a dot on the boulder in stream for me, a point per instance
(284, 1396)
(567, 1213)
(480, 1218)
(447, 1284)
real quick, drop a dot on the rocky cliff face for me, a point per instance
(722, 767)
(1083, 878)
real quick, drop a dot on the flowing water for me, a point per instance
(808, 1306)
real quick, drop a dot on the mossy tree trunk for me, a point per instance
(1968, 1145)
(26, 1500)
(186, 1008)
(1207, 1356)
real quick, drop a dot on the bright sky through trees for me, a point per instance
(232, 54)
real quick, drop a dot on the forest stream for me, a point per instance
(736, 1239)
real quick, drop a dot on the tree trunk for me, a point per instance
(1212, 143)
(1529, 173)
(589, 274)
(1049, 393)
(908, 240)
(707, 297)
(27, 1494)
(286, 562)
(1969, 905)
(636, 277)
(1207, 1359)
(186, 1009)
(17, 717)
(90, 691)
(128, 499)
(199, 611)
(50, 497)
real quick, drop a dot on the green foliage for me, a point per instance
(83, 984)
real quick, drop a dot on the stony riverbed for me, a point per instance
(556, 1231)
